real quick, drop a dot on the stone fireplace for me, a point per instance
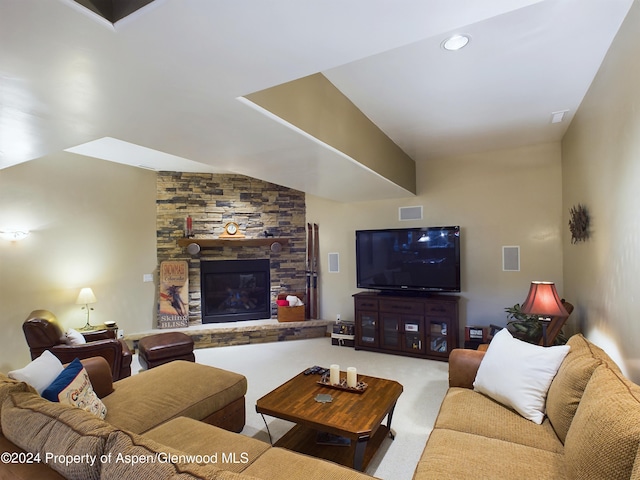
(257, 206)
(235, 290)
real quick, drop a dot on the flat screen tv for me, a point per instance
(409, 259)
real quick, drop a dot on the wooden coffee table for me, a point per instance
(354, 416)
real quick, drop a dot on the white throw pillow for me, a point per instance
(518, 374)
(73, 337)
(40, 372)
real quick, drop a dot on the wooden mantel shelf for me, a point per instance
(235, 242)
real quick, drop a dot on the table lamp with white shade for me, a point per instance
(86, 297)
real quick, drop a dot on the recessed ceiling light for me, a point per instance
(456, 42)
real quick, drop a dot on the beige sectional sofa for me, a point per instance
(591, 429)
(155, 427)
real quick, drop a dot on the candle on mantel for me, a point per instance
(334, 374)
(352, 377)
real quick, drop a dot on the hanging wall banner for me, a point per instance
(173, 305)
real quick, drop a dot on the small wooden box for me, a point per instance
(291, 314)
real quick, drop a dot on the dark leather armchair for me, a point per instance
(43, 332)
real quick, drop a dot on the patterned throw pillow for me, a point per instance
(73, 387)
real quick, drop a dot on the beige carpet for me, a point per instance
(268, 365)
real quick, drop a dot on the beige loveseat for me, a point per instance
(591, 430)
(154, 428)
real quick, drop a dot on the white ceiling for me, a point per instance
(168, 78)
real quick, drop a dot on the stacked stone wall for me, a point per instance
(256, 206)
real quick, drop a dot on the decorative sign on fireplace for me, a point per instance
(173, 304)
(235, 290)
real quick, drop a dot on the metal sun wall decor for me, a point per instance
(579, 223)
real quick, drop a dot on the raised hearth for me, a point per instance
(243, 333)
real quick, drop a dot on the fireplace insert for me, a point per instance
(235, 290)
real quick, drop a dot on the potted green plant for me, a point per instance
(528, 328)
(522, 326)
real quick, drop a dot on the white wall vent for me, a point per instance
(334, 262)
(410, 213)
(511, 259)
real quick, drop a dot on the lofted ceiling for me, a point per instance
(163, 88)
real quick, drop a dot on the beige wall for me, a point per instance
(601, 169)
(92, 224)
(509, 197)
(317, 107)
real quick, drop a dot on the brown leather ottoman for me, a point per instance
(162, 348)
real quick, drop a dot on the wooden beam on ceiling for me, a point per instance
(113, 10)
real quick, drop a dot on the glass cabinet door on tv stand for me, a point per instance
(402, 332)
(367, 328)
(437, 337)
(413, 335)
(390, 332)
(438, 317)
(419, 326)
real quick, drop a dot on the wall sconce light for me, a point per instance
(14, 235)
(86, 297)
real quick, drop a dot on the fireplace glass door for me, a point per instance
(235, 290)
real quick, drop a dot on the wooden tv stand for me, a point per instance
(416, 326)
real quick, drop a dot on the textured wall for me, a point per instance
(92, 225)
(212, 200)
(601, 170)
